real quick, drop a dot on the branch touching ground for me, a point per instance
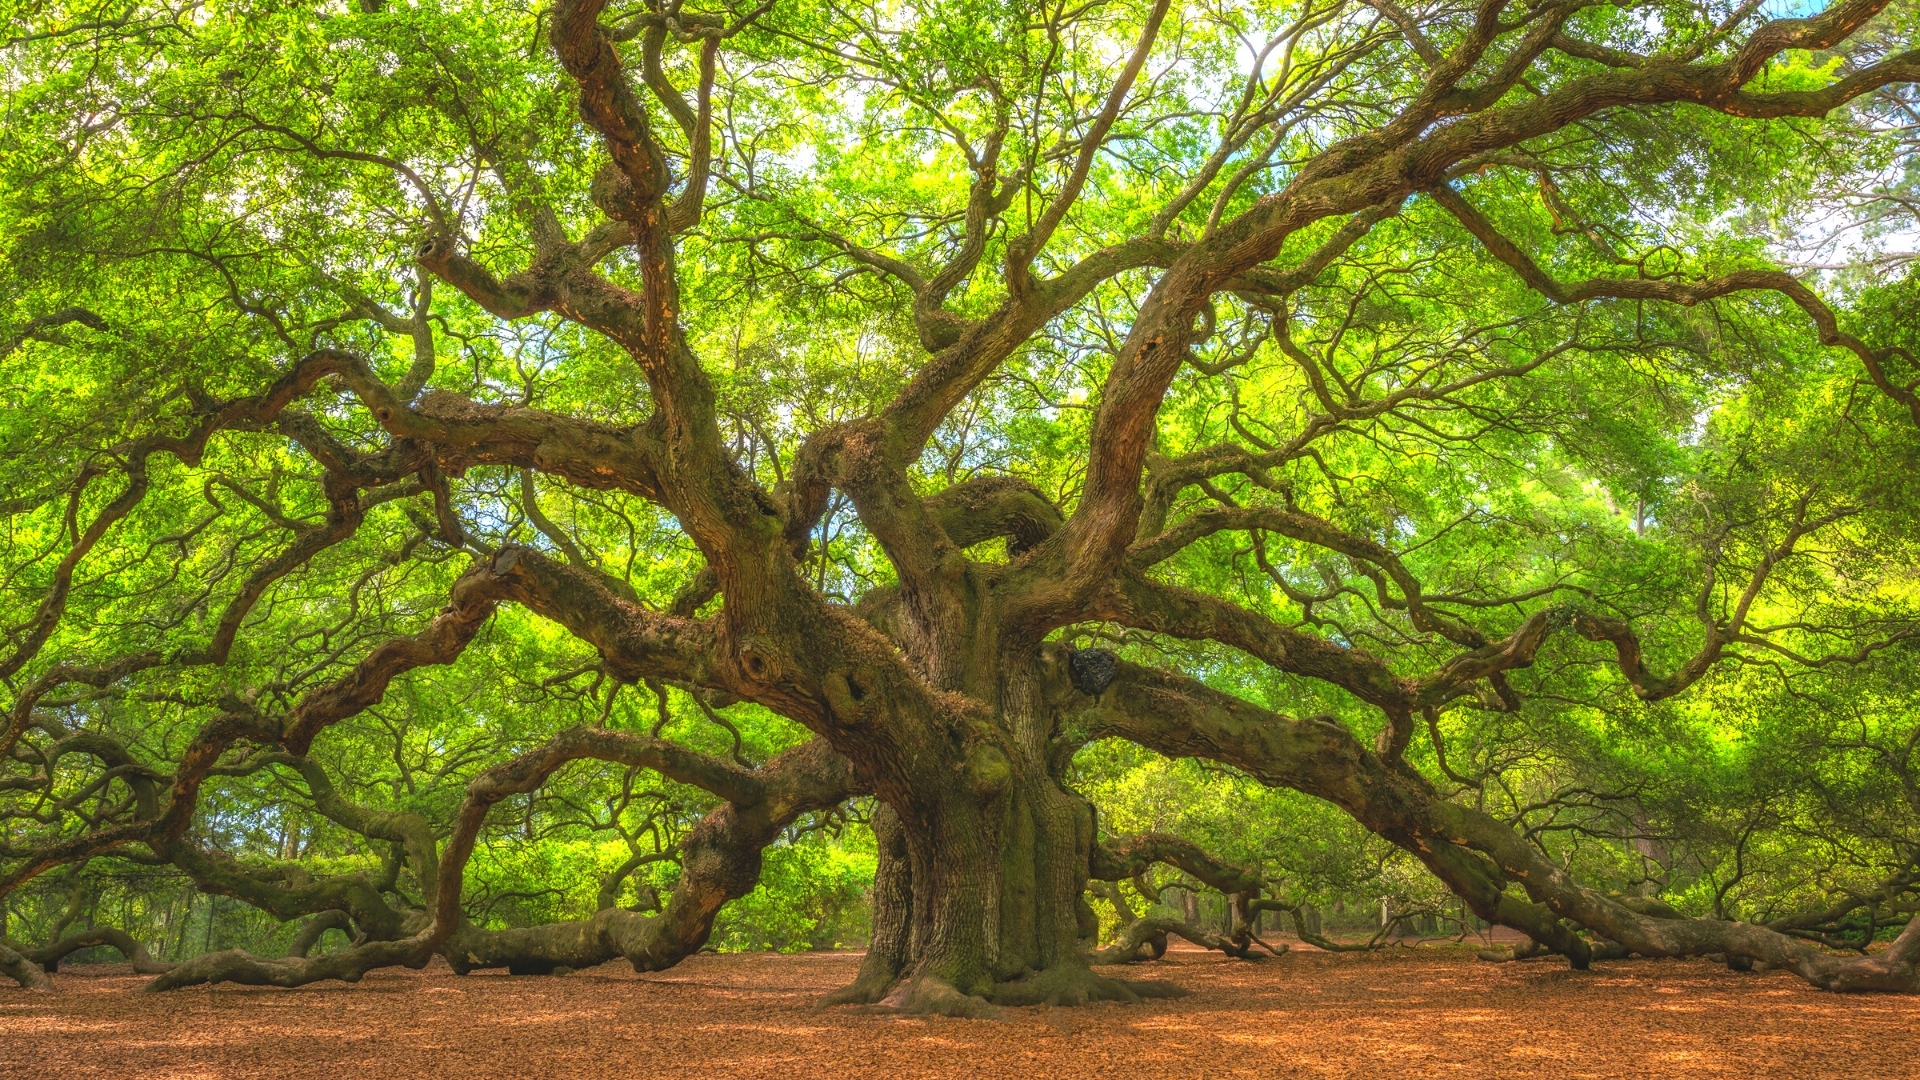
(23, 971)
(1474, 853)
(49, 956)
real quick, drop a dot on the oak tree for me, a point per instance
(1298, 385)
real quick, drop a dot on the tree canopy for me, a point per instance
(541, 484)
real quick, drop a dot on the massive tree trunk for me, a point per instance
(985, 855)
(983, 898)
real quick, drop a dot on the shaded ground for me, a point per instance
(1405, 1013)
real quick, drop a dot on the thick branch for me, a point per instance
(23, 971)
(49, 956)
(1685, 294)
(1471, 851)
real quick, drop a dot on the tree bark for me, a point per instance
(979, 899)
(28, 974)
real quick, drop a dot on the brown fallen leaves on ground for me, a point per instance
(1401, 1013)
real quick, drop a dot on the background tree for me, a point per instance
(671, 425)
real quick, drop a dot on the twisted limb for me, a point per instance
(1130, 857)
(49, 956)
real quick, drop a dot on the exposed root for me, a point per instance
(928, 995)
(1073, 984)
(867, 988)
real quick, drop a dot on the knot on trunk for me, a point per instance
(612, 191)
(1092, 670)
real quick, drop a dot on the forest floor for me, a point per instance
(1429, 1012)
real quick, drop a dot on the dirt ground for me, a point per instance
(1406, 1013)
